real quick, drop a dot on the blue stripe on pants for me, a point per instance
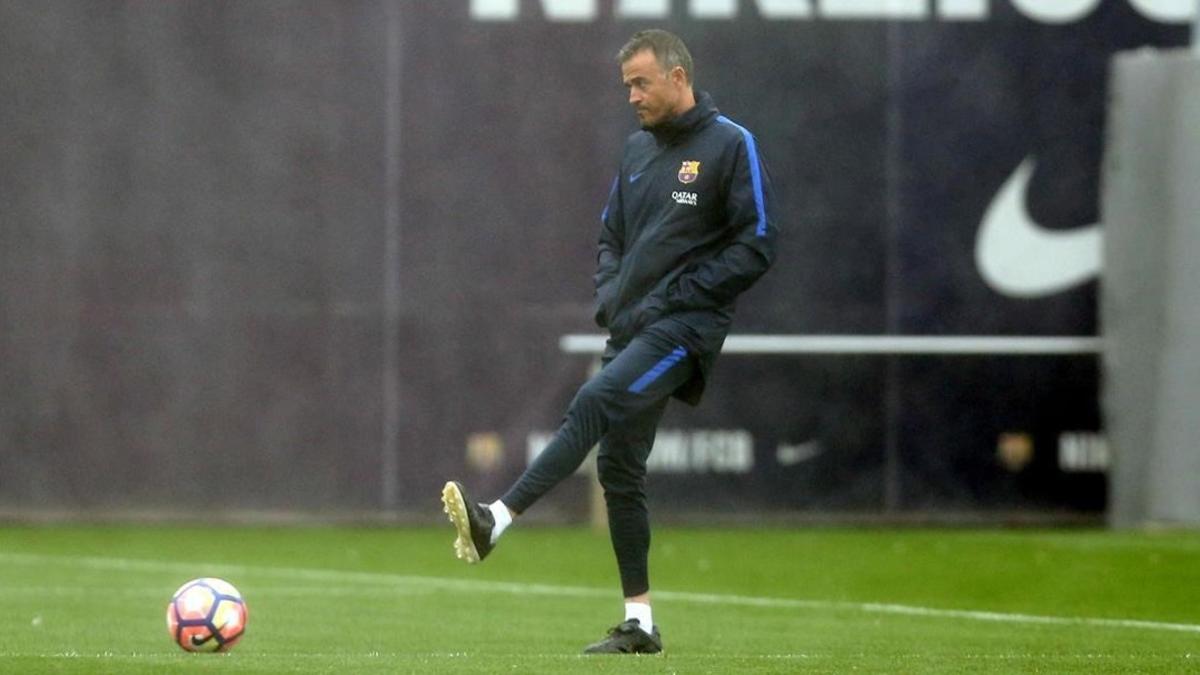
(657, 371)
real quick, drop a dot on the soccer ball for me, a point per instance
(206, 615)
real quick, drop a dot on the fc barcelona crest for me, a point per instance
(689, 172)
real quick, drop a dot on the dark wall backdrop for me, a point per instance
(317, 256)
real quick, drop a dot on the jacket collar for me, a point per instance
(676, 129)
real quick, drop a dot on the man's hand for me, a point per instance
(645, 313)
(604, 296)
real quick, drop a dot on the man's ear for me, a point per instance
(679, 76)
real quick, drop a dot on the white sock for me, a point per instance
(641, 612)
(503, 518)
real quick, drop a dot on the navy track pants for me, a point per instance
(620, 408)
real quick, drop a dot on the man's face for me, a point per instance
(654, 94)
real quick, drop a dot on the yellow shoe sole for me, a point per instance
(456, 508)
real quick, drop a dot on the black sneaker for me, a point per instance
(628, 638)
(473, 522)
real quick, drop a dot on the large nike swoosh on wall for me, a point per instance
(1018, 257)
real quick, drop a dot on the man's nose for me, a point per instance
(634, 97)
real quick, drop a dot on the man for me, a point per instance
(686, 229)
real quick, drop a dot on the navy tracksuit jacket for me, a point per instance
(688, 227)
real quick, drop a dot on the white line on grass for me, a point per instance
(518, 588)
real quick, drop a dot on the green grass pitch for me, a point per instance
(393, 600)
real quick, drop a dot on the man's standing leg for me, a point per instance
(621, 468)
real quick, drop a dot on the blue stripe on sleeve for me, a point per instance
(755, 174)
(612, 191)
(657, 371)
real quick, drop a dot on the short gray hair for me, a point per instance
(668, 49)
